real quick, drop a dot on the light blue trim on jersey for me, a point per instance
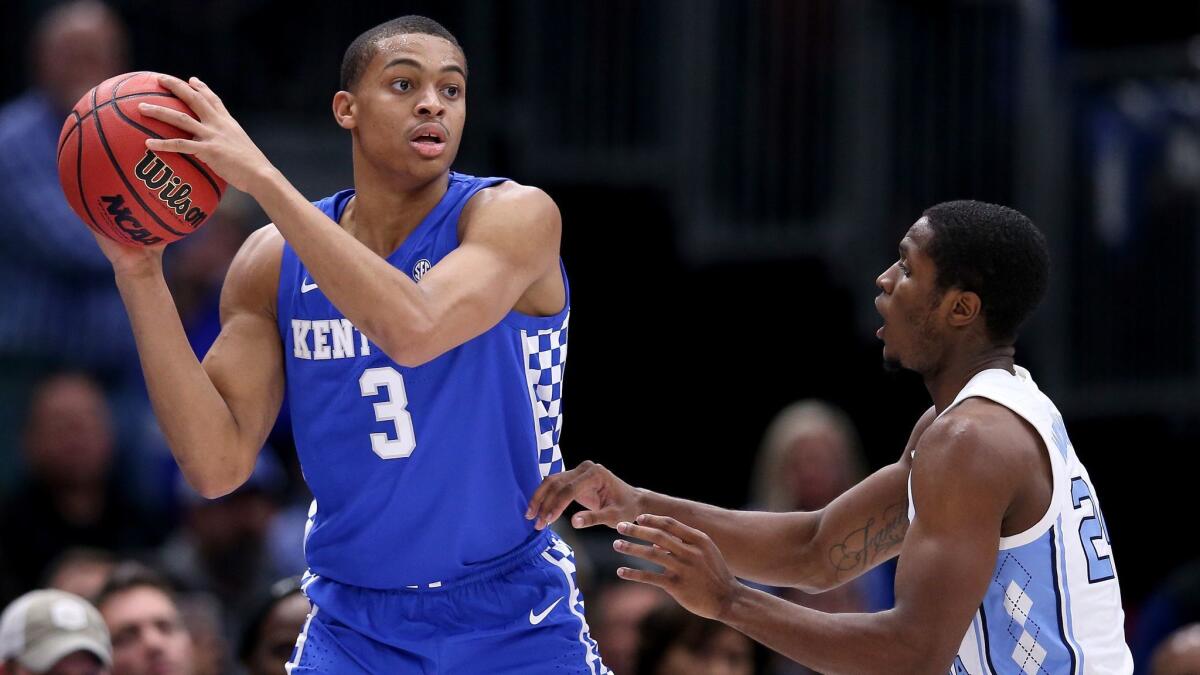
(1062, 442)
(1066, 595)
(1021, 608)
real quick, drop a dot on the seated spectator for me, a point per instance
(270, 635)
(70, 497)
(615, 614)
(221, 548)
(677, 642)
(1179, 654)
(67, 310)
(810, 455)
(148, 633)
(203, 618)
(1174, 603)
(51, 632)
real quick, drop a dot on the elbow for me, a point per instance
(919, 651)
(211, 487)
(412, 345)
(925, 662)
(214, 484)
(212, 490)
(813, 573)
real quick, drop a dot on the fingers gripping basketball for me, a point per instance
(122, 190)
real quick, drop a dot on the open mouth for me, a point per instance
(429, 140)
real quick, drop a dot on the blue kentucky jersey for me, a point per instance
(420, 475)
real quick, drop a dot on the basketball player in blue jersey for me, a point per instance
(1005, 565)
(419, 325)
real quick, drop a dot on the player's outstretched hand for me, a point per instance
(217, 139)
(608, 499)
(693, 570)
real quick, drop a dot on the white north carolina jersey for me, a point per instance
(1054, 604)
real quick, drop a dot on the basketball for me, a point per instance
(119, 188)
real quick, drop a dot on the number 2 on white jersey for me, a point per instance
(393, 408)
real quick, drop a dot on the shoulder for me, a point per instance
(979, 444)
(253, 278)
(512, 208)
(262, 249)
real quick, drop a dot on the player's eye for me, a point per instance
(401, 85)
(903, 267)
(452, 91)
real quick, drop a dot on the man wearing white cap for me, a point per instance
(53, 632)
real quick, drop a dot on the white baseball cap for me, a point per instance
(41, 628)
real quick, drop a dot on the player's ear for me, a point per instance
(965, 307)
(344, 110)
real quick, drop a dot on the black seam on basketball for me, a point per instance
(132, 192)
(113, 102)
(66, 138)
(187, 158)
(117, 85)
(79, 173)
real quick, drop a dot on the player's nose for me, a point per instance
(884, 280)
(430, 105)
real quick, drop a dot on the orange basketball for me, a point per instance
(122, 190)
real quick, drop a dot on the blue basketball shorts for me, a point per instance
(523, 615)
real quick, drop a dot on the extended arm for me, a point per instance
(511, 241)
(811, 550)
(945, 565)
(215, 416)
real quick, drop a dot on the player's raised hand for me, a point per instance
(131, 261)
(693, 570)
(609, 499)
(217, 139)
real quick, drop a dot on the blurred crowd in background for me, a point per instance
(91, 502)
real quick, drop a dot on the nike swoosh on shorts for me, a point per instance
(535, 619)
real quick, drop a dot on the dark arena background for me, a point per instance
(732, 177)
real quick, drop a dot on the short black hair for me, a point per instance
(129, 575)
(995, 252)
(362, 50)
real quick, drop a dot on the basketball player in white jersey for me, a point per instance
(1005, 565)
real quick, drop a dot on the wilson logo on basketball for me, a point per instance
(124, 219)
(173, 192)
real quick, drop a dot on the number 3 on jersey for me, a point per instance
(393, 408)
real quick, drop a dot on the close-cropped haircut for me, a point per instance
(363, 49)
(130, 575)
(995, 252)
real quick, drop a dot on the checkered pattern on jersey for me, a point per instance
(561, 556)
(547, 357)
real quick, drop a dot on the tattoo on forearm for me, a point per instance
(867, 543)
